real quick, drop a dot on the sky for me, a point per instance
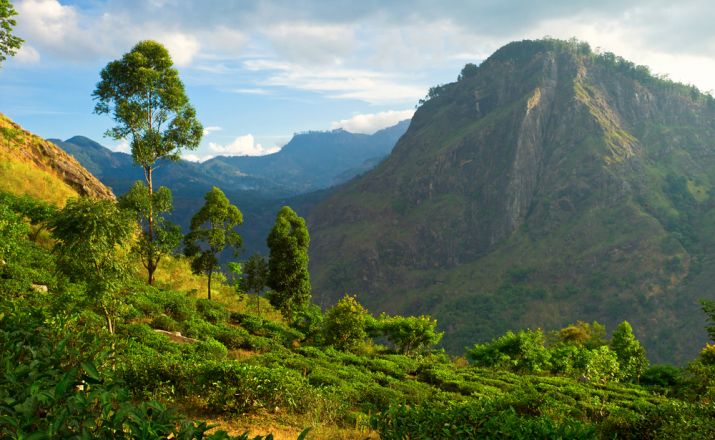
(259, 71)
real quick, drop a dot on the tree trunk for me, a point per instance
(108, 317)
(210, 272)
(151, 267)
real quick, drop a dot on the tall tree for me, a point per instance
(90, 235)
(167, 235)
(210, 232)
(709, 309)
(288, 263)
(9, 43)
(147, 100)
(255, 275)
(631, 355)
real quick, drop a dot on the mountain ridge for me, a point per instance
(551, 185)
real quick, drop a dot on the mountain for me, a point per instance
(259, 186)
(548, 185)
(33, 166)
(314, 160)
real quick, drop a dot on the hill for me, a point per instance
(314, 160)
(33, 166)
(549, 184)
(260, 186)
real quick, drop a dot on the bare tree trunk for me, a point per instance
(151, 267)
(210, 272)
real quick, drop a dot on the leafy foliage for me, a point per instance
(166, 235)
(9, 43)
(210, 232)
(288, 263)
(345, 324)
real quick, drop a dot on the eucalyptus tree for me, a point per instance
(146, 98)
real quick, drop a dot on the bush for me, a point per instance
(163, 322)
(210, 349)
(232, 387)
(199, 329)
(521, 352)
(345, 324)
(212, 311)
(232, 337)
(664, 376)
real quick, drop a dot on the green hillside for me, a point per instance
(173, 357)
(547, 185)
(33, 166)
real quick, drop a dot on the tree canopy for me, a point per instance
(288, 263)
(9, 43)
(167, 235)
(211, 231)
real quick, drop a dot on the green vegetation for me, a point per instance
(210, 232)
(167, 235)
(146, 98)
(9, 43)
(288, 263)
(173, 357)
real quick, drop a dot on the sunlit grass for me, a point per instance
(174, 273)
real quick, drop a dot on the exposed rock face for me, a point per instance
(46, 156)
(554, 185)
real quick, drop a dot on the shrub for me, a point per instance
(212, 311)
(409, 334)
(232, 337)
(345, 324)
(163, 322)
(522, 352)
(210, 349)
(238, 388)
(198, 329)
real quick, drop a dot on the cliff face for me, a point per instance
(553, 185)
(31, 165)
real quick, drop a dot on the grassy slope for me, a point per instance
(19, 175)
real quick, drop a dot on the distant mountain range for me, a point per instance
(258, 185)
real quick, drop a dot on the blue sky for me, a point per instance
(259, 71)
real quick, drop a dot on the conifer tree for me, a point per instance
(288, 275)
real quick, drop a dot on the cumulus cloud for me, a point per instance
(371, 122)
(122, 147)
(242, 146)
(191, 157)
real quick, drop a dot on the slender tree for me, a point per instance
(255, 275)
(9, 43)
(90, 235)
(147, 100)
(288, 263)
(210, 232)
(167, 235)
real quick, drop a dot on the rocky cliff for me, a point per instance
(553, 184)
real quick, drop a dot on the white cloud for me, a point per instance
(27, 55)
(342, 83)
(211, 129)
(122, 147)
(242, 146)
(182, 47)
(196, 158)
(371, 122)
